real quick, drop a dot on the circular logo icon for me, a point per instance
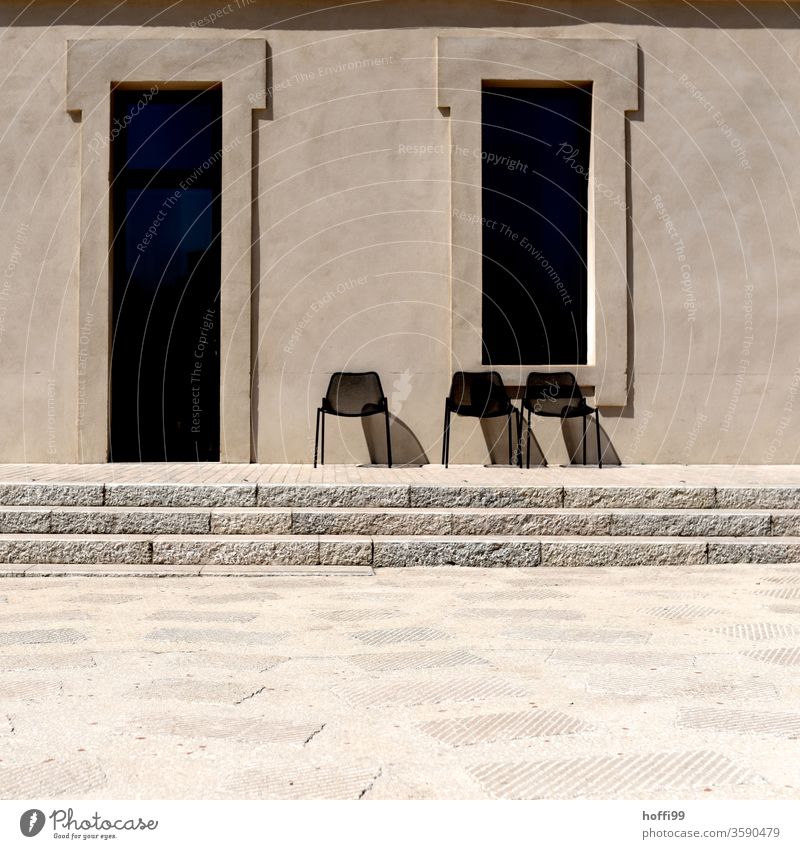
(31, 822)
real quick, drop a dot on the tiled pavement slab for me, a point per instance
(743, 722)
(591, 657)
(514, 595)
(387, 636)
(578, 635)
(230, 598)
(303, 782)
(199, 690)
(46, 662)
(415, 660)
(604, 682)
(633, 775)
(27, 690)
(44, 635)
(680, 611)
(209, 635)
(469, 730)
(521, 613)
(674, 683)
(201, 658)
(357, 615)
(202, 616)
(430, 692)
(792, 592)
(758, 631)
(256, 730)
(53, 778)
(18, 612)
(785, 608)
(782, 579)
(781, 656)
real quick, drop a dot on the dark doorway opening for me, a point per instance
(535, 172)
(164, 373)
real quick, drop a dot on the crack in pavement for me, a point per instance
(245, 698)
(371, 784)
(313, 734)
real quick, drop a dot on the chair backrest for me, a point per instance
(553, 394)
(354, 394)
(478, 393)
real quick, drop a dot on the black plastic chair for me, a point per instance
(482, 395)
(558, 395)
(352, 394)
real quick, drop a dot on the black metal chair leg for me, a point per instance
(597, 428)
(584, 440)
(322, 451)
(316, 438)
(388, 441)
(444, 431)
(446, 446)
(528, 452)
(510, 450)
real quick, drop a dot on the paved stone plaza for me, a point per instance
(675, 682)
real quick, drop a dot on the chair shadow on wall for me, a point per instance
(572, 434)
(406, 448)
(408, 451)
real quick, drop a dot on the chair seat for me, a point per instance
(366, 410)
(565, 412)
(480, 412)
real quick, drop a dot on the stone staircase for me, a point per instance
(312, 528)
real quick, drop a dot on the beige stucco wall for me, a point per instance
(352, 253)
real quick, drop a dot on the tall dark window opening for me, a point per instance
(166, 185)
(535, 172)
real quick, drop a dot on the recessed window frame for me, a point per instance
(464, 65)
(239, 67)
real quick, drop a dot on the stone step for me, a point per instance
(581, 551)
(527, 494)
(367, 521)
(391, 550)
(155, 570)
